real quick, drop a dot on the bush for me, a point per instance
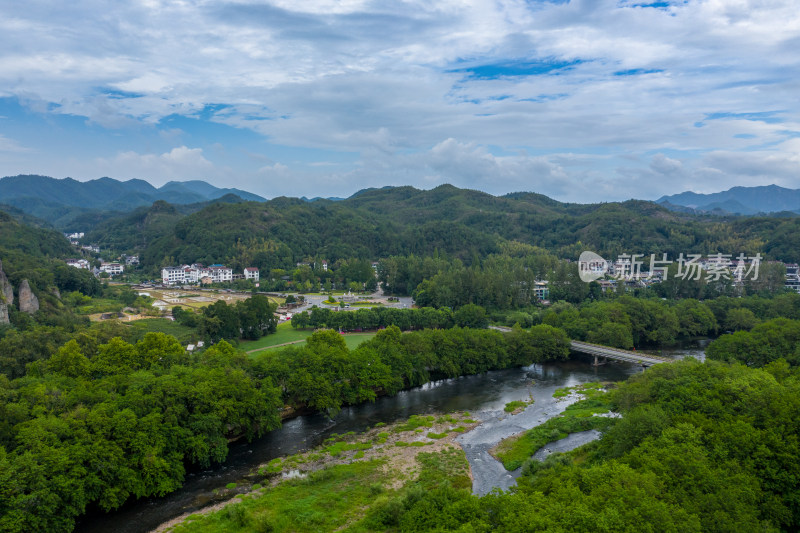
(237, 514)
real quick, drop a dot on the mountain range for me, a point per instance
(59, 201)
(71, 205)
(764, 199)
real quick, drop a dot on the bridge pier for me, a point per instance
(597, 352)
(597, 360)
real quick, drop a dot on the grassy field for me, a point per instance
(184, 334)
(100, 305)
(352, 482)
(366, 304)
(325, 501)
(286, 334)
(352, 340)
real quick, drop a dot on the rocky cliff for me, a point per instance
(6, 290)
(28, 303)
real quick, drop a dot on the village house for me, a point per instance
(112, 269)
(79, 263)
(541, 290)
(173, 275)
(221, 273)
(251, 273)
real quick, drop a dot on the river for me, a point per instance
(483, 395)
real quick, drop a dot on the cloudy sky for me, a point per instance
(581, 100)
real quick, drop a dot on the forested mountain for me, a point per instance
(21, 244)
(36, 255)
(66, 203)
(446, 220)
(739, 200)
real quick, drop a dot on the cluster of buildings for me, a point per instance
(74, 237)
(113, 268)
(79, 263)
(197, 273)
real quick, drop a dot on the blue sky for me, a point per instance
(583, 100)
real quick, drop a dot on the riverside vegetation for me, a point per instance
(348, 478)
(96, 414)
(127, 420)
(699, 447)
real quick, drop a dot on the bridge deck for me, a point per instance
(618, 354)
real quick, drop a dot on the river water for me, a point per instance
(483, 395)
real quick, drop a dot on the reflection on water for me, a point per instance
(484, 392)
(681, 350)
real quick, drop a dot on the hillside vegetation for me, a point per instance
(446, 220)
(68, 203)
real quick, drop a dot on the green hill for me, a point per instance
(21, 244)
(457, 223)
(65, 202)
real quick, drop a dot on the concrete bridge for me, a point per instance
(606, 352)
(617, 354)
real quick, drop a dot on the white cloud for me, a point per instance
(179, 164)
(665, 165)
(10, 145)
(390, 81)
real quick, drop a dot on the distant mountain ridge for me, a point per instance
(737, 200)
(23, 191)
(59, 201)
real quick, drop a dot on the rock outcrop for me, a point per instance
(28, 303)
(4, 314)
(6, 290)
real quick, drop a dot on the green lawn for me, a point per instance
(358, 496)
(100, 305)
(184, 334)
(286, 333)
(352, 340)
(325, 501)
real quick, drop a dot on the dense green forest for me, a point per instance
(445, 221)
(23, 246)
(126, 420)
(700, 447)
(625, 321)
(100, 413)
